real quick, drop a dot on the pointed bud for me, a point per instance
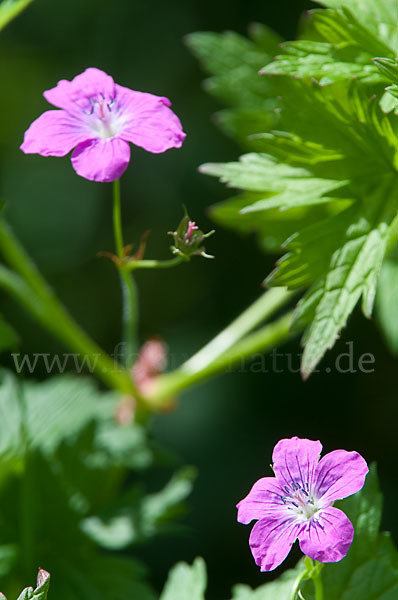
(189, 239)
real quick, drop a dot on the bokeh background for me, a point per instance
(228, 426)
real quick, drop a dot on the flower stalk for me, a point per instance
(132, 265)
(129, 291)
(312, 570)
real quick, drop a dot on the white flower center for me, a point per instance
(300, 500)
(104, 120)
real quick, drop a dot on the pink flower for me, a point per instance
(98, 119)
(297, 503)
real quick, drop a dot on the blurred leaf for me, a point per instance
(186, 582)
(233, 63)
(61, 455)
(8, 336)
(387, 303)
(280, 589)
(9, 9)
(138, 517)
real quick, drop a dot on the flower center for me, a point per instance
(104, 120)
(299, 499)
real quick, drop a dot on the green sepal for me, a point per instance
(189, 239)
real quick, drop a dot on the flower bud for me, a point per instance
(189, 239)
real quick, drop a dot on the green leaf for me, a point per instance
(280, 589)
(272, 226)
(138, 517)
(386, 304)
(186, 582)
(233, 63)
(353, 272)
(9, 9)
(283, 186)
(389, 68)
(60, 457)
(41, 591)
(380, 17)
(338, 149)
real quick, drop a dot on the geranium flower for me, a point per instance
(98, 119)
(297, 503)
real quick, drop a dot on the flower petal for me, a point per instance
(54, 133)
(295, 460)
(74, 94)
(101, 160)
(271, 539)
(148, 121)
(328, 536)
(338, 475)
(265, 496)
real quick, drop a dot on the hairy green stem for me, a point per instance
(258, 312)
(318, 586)
(129, 292)
(154, 264)
(50, 313)
(297, 583)
(260, 341)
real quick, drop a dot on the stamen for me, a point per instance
(101, 109)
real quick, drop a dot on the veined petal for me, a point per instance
(338, 475)
(70, 95)
(265, 496)
(104, 159)
(54, 133)
(148, 121)
(271, 539)
(328, 536)
(295, 460)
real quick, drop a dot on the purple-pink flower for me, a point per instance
(298, 503)
(98, 119)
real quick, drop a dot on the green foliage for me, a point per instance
(186, 582)
(67, 462)
(41, 591)
(138, 517)
(9, 9)
(233, 63)
(323, 182)
(389, 68)
(380, 18)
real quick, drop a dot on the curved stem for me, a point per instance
(297, 583)
(154, 264)
(50, 313)
(129, 292)
(266, 338)
(258, 312)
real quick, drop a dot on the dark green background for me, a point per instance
(227, 427)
